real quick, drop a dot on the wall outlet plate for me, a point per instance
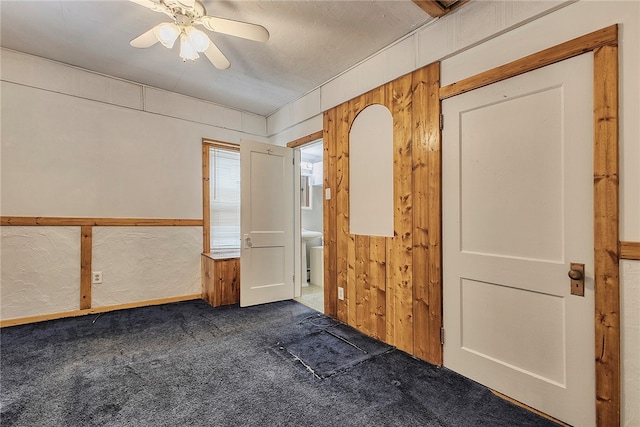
(96, 277)
(340, 293)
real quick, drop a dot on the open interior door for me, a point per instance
(267, 254)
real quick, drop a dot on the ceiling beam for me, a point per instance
(438, 8)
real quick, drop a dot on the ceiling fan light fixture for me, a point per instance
(186, 15)
(167, 33)
(198, 39)
(187, 51)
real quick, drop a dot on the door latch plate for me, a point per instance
(577, 279)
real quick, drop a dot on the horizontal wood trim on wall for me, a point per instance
(575, 47)
(630, 250)
(97, 310)
(305, 139)
(100, 222)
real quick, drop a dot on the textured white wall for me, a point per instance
(39, 270)
(79, 144)
(630, 336)
(145, 263)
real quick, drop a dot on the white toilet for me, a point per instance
(316, 268)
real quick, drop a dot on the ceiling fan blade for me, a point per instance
(216, 57)
(146, 39)
(236, 28)
(150, 4)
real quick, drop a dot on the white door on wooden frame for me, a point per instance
(517, 211)
(266, 256)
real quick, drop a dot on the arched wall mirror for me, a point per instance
(371, 172)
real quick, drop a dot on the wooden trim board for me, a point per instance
(98, 222)
(630, 250)
(305, 139)
(97, 310)
(86, 247)
(575, 47)
(206, 199)
(606, 240)
(437, 9)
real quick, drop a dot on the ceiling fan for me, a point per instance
(186, 15)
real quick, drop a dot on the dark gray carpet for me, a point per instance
(187, 364)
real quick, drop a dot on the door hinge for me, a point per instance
(294, 278)
(442, 336)
(441, 121)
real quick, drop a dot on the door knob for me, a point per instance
(247, 241)
(576, 274)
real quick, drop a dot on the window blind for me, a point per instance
(224, 186)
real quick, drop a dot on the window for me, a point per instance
(221, 165)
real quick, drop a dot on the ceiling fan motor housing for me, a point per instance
(182, 8)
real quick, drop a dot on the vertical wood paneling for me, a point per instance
(227, 281)
(86, 246)
(206, 269)
(376, 273)
(362, 288)
(220, 281)
(330, 215)
(434, 216)
(606, 269)
(342, 208)
(427, 281)
(377, 284)
(374, 304)
(351, 294)
(401, 246)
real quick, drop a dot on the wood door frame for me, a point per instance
(299, 144)
(604, 45)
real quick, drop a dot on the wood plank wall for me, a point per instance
(392, 285)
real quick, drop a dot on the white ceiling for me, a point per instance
(311, 42)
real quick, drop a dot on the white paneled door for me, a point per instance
(266, 257)
(517, 211)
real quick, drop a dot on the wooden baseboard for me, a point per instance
(44, 317)
(529, 408)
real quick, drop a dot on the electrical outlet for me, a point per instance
(340, 293)
(96, 277)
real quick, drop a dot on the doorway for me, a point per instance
(511, 314)
(311, 266)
